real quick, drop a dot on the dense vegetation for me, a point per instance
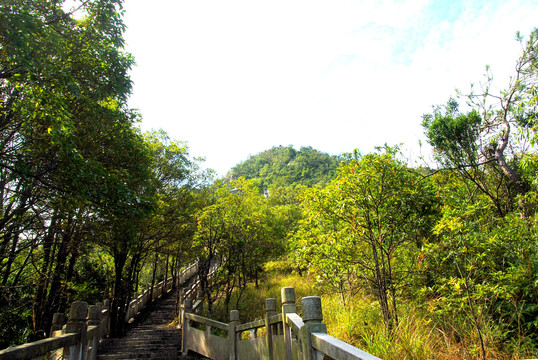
(287, 167)
(93, 208)
(87, 200)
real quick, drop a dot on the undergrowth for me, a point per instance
(418, 336)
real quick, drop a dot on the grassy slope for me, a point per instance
(360, 323)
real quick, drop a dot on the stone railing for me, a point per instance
(193, 291)
(286, 336)
(86, 326)
(165, 286)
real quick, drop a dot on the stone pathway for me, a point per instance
(151, 337)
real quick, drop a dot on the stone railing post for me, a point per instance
(181, 295)
(232, 336)
(144, 298)
(77, 324)
(128, 312)
(312, 317)
(270, 311)
(200, 297)
(187, 309)
(58, 320)
(102, 321)
(106, 325)
(288, 307)
(94, 319)
(137, 300)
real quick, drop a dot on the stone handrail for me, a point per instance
(208, 322)
(287, 335)
(193, 291)
(86, 326)
(337, 349)
(44, 346)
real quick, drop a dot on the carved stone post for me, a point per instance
(144, 298)
(181, 295)
(270, 311)
(312, 317)
(94, 319)
(106, 325)
(128, 312)
(138, 300)
(232, 335)
(58, 320)
(77, 324)
(187, 309)
(288, 307)
(200, 297)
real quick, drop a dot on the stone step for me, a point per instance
(148, 355)
(149, 337)
(144, 343)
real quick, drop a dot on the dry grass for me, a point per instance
(418, 336)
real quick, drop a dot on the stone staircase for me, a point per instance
(152, 336)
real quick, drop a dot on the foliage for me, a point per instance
(93, 208)
(76, 175)
(486, 145)
(479, 264)
(238, 230)
(363, 229)
(485, 270)
(285, 166)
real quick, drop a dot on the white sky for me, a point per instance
(233, 78)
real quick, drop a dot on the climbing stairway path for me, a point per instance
(152, 336)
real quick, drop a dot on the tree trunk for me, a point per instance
(117, 313)
(53, 299)
(153, 277)
(43, 282)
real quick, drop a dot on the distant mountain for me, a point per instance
(285, 166)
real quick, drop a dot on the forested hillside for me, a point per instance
(433, 262)
(284, 166)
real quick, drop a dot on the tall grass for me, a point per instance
(419, 335)
(252, 303)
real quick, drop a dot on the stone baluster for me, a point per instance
(270, 311)
(233, 337)
(200, 297)
(77, 324)
(137, 304)
(312, 317)
(187, 309)
(58, 320)
(288, 307)
(94, 319)
(106, 325)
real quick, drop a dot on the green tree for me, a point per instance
(365, 227)
(285, 166)
(69, 154)
(237, 231)
(485, 146)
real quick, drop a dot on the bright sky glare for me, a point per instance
(233, 78)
